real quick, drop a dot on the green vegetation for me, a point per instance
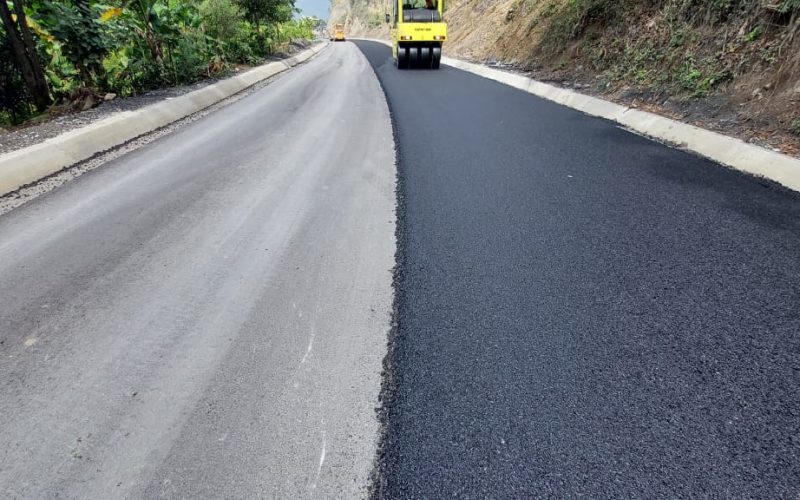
(672, 45)
(795, 126)
(73, 51)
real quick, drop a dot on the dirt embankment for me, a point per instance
(731, 66)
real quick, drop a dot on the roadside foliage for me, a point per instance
(59, 55)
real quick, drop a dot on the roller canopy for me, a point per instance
(421, 16)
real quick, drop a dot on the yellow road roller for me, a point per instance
(418, 32)
(338, 33)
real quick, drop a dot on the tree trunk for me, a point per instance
(25, 53)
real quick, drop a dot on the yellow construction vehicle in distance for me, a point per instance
(418, 32)
(337, 35)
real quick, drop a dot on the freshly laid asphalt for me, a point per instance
(581, 312)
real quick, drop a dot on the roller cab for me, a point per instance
(418, 32)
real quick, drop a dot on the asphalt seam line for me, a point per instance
(25, 166)
(729, 151)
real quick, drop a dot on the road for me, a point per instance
(582, 312)
(207, 316)
(578, 311)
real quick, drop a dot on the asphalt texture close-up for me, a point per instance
(581, 312)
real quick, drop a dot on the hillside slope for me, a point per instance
(728, 65)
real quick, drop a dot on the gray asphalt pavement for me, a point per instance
(582, 313)
(579, 311)
(207, 316)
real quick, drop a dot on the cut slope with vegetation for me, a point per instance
(361, 17)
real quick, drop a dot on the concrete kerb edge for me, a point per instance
(25, 166)
(723, 149)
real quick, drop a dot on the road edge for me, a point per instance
(27, 165)
(387, 394)
(729, 151)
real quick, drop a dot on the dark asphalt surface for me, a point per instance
(582, 312)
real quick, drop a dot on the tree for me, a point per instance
(260, 12)
(221, 18)
(267, 11)
(24, 50)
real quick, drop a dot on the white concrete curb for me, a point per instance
(30, 164)
(727, 150)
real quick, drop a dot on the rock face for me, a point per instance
(362, 18)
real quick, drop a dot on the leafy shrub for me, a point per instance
(61, 73)
(189, 58)
(787, 6)
(222, 19)
(118, 72)
(81, 37)
(131, 46)
(233, 38)
(795, 126)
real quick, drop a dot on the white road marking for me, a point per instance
(308, 350)
(321, 461)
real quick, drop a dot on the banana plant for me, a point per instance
(146, 22)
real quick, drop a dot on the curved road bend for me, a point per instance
(207, 316)
(582, 312)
